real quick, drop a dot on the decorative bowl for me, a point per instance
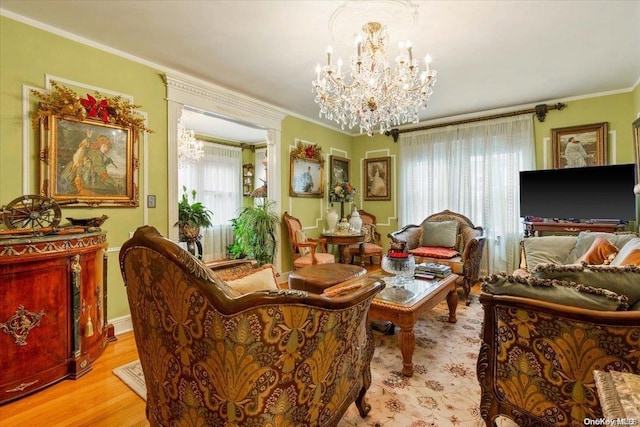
(88, 222)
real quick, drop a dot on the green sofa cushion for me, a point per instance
(556, 291)
(554, 249)
(443, 234)
(621, 280)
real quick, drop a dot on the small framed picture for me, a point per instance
(306, 177)
(338, 170)
(377, 178)
(578, 146)
(89, 161)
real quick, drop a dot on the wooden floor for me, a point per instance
(96, 399)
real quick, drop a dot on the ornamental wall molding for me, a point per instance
(225, 102)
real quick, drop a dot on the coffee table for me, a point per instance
(403, 307)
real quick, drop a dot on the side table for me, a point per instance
(343, 241)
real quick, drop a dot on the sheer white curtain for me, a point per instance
(217, 179)
(472, 169)
(260, 176)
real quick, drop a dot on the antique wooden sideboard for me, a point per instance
(532, 229)
(53, 315)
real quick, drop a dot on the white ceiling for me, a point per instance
(489, 54)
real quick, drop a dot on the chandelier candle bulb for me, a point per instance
(329, 52)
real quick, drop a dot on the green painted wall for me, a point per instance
(28, 54)
(310, 211)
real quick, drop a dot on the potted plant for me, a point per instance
(254, 230)
(191, 216)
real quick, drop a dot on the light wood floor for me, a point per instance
(96, 399)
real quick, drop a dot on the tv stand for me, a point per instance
(532, 229)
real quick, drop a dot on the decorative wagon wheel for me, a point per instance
(32, 211)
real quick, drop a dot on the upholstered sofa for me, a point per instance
(241, 351)
(446, 238)
(572, 308)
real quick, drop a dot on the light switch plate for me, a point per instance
(151, 201)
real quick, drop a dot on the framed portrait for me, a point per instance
(306, 177)
(339, 170)
(377, 178)
(577, 146)
(89, 161)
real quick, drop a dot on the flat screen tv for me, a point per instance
(586, 193)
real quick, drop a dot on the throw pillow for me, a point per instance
(301, 237)
(585, 240)
(600, 252)
(629, 254)
(442, 234)
(434, 252)
(369, 231)
(411, 234)
(550, 249)
(259, 279)
(556, 291)
(621, 280)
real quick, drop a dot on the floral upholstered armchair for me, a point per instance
(270, 357)
(446, 238)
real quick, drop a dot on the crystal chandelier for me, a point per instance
(189, 150)
(371, 94)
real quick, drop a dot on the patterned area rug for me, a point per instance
(443, 390)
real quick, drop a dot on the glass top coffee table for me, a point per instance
(404, 306)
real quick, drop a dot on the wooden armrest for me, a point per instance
(341, 290)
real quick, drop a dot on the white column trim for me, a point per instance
(182, 91)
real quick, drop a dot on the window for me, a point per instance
(217, 179)
(472, 169)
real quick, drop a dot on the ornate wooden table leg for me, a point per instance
(452, 302)
(407, 344)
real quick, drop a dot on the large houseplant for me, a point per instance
(192, 216)
(255, 233)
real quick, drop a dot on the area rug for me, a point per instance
(443, 390)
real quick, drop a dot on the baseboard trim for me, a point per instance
(122, 324)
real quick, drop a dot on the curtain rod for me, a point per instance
(540, 110)
(240, 145)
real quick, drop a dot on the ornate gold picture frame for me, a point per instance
(578, 146)
(89, 161)
(339, 170)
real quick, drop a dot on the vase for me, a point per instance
(403, 269)
(332, 219)
(343, 226)
(355, 221)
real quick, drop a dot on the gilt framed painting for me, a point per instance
(579, 146)
(90, 162)
(339, 170)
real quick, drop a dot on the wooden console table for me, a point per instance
(53, 316)
(532, 229)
